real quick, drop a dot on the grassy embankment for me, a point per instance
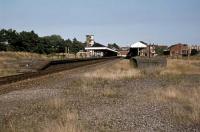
(9, 60)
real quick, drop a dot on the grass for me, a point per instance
(9, 61)
(184, 103)
(7, 71)
(108, 86)
(118, 71)
(99, 82)
(50, 115)
(56, 115)
(177, 66)
(20, 55)
(110, 93)
(183, 96)
(64, 120)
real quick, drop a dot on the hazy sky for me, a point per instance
(120, 21)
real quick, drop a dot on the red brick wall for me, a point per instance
(124, 52)
(179, 49)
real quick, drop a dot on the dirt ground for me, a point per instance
(110, 96)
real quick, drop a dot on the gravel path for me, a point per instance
(132, 109)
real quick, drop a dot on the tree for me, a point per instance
(76, 46)
(194, 52)
(3, 47)
(11, 37)
(55, 43)
(29, 41)
(159, 50)
(10, 40)
(3, 35)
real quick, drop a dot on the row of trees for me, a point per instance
(11, 40)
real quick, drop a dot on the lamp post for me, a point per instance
(67, 51)
(149, 50)
(52, 48)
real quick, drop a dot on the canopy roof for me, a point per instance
(139, 44)
(98, 45)
(100, 49)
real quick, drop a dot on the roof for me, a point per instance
(123, 52)
(177, 45)
(98, 45)
(100, 48)
(124, 48)
(139, 44)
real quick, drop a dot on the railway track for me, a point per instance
(53, 67)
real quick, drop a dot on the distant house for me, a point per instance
(179, 50)
(123, 51)
(124, 48)
(194, 47)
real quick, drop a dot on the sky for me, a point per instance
(111, 21)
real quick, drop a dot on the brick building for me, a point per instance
(179, 50)
(123, 51)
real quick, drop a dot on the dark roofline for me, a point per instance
(98, 45)
(176, 45)
(143, 42)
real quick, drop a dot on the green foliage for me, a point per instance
(3, 47)
(160, 50)
(194, 52)
(76, 46)
(31, 42)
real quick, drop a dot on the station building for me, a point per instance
(179, 50)
(141, 49)
(98, 50)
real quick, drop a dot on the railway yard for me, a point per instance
(105, 96)
(99, 66)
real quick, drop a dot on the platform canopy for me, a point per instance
(100, 49)
(103, 51)
(139, 44)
